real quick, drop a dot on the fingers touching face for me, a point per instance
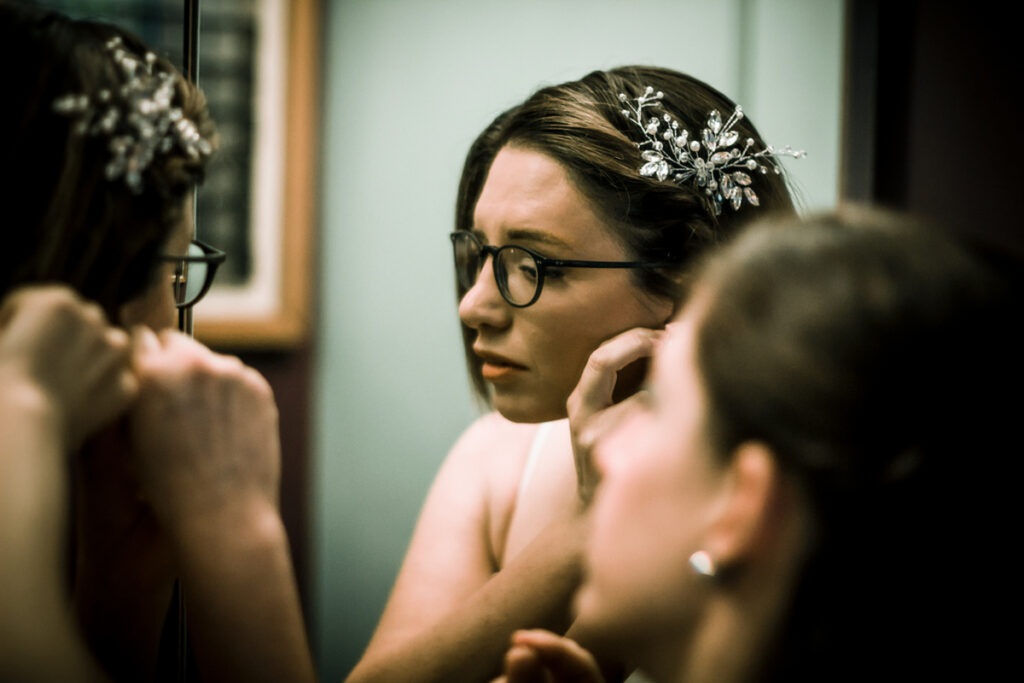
(658, 487)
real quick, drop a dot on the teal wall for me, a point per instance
(407, 86)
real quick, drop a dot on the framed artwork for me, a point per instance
(258, 69)
(267, 129)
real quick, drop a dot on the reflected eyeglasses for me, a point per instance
(518, 272)
(193, 272)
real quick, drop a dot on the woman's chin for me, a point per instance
(527, 411)
(593, 622)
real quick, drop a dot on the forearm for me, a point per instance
(245, 622)
(468, 643)
(45, 648)
(33, 490)
(38, 640)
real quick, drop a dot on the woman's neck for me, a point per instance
(728, 643)
(717, 652)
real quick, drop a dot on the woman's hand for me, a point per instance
(207, 453)
(592, 405)
(538, 656)
(60, 344)
(204, 432)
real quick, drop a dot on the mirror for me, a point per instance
(407, 87)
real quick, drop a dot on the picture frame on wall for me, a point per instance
(265, 301)
(258, 69)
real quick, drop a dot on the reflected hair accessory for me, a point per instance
(137, 117)
(713, 162)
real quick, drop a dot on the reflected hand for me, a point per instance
(208, 458)
(592, 407)
(52, 339)
(204, 430)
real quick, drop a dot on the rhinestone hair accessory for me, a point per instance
(713, 162)
(137, 118)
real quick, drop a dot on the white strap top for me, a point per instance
(536, 446)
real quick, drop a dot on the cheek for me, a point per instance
(636, 556)
(634, 499)
(556, 351)
(562, 340)
(646, 519)
(154, 309)
(567, 333)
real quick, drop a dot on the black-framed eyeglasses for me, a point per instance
(193, 272)
(518, 272)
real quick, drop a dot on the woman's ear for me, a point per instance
(685, 292)
(746, 518)
(663, 308)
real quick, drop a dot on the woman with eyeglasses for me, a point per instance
(818, 482)
(104, 143)
(578, 214)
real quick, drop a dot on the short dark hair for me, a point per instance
(63, 221)
(580, 125)
(866, 351)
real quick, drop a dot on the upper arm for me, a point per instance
(450, 555)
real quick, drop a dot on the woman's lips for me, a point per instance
(496, 368)
(493, 372)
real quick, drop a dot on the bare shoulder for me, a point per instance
(493, 435)
(495, 451)
(488, 458)
(452, 554)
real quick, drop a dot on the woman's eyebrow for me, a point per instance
(537, 237)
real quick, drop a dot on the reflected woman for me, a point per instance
(578, 215)
(104, 143)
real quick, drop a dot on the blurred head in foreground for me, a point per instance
(799, 493)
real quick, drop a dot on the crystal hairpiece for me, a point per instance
(137, 117)
(712, 162)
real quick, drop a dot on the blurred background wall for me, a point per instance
(407, 85)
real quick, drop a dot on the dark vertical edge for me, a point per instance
(190, 57)
(892, 163)
(190, 34)
(860, 84)
(190, 68)
(875, 163)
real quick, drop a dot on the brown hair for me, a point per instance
(865, 351)
(63, 221)
(580, 125)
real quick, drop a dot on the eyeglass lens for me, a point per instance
(189, 278)
(515, 270)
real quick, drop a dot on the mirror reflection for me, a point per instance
(414, 106)
(395, 464)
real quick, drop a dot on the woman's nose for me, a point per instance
(483, 305)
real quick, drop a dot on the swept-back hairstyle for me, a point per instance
(580, 125)
(867, 352)
(63, 220)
